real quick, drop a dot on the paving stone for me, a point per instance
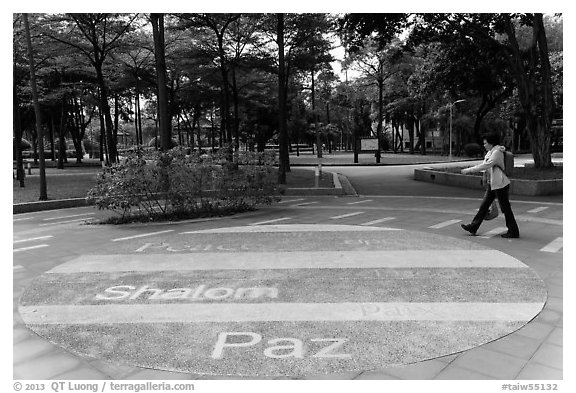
(448, 359)
(375, 375)
(554, 303)
(149, 374)
(458, 373)
(535, 371)
(114, 371)
(83, 373)
(549, 316)
(31, 348)
(537, 330)
(556, 337)
(549, 355)
(20, 333)
(491, 363)
(515, 345)
(46, 367)
(422, 370)
(555, 290)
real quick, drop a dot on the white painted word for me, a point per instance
(291, 347)
(191, 247)
(123, 292)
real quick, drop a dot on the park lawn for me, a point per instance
(66, 184)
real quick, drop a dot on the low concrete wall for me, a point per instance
(49, 205)
(517, 187)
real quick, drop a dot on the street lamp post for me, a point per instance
(450, 135)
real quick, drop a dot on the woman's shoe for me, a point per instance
(468, 228)
(509, 235)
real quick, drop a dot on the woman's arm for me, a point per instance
(488, 163)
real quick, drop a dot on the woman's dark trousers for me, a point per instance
(504, 201)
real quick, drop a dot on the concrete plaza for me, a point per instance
(55, 249)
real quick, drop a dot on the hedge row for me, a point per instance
(174, 185)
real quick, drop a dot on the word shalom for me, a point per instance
(201, 292)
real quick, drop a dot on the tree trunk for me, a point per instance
(17, 133)
(380, 118)
(284, 163)
(534, 89)
(39, 131)
(61, 133)
(107, 123)
(159, 53)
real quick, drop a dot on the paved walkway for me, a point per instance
(42, 241)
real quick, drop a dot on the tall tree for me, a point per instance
(94, 36)
(527, 57)
(43, 187)
(378, 65)
(284, 160)
(159, 53)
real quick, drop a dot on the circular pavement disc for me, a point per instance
(284, 300)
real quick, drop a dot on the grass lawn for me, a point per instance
(74, 182)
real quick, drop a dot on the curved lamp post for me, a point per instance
(450, 136)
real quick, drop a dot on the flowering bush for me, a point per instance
(171, 185)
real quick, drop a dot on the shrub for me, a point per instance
(472, 150)
(173, 185)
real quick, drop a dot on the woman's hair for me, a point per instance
(492, 138)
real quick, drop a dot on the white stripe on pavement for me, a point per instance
(356, 203)
(291, 260)
(61, 217)
(554, 246)
(303, 204)
(444, 224)
(538, 209)
(65, 222)
(32, 239)
(346, 215)
(30, 248)
(379, 221)
(141, 235)
(292, 200)
(494, 232)
(289, 228)
(22, 219)
(270, 221)
(266, 312)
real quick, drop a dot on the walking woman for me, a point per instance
(498, 187)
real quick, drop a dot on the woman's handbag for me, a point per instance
(492, 211)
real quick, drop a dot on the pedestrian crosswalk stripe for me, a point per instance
(379, 221)
(61, 217)
(538, 209)
(444, 224)
(271, 312)
(292, 200)
(30, 248)
(65, 222)
(554, 246)
(270, 221)
(141, 235)
(32, 239)
(494, 232)
(358, 202)
(303, 204)
(291, 260)
(346, 215)
(289, 228)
